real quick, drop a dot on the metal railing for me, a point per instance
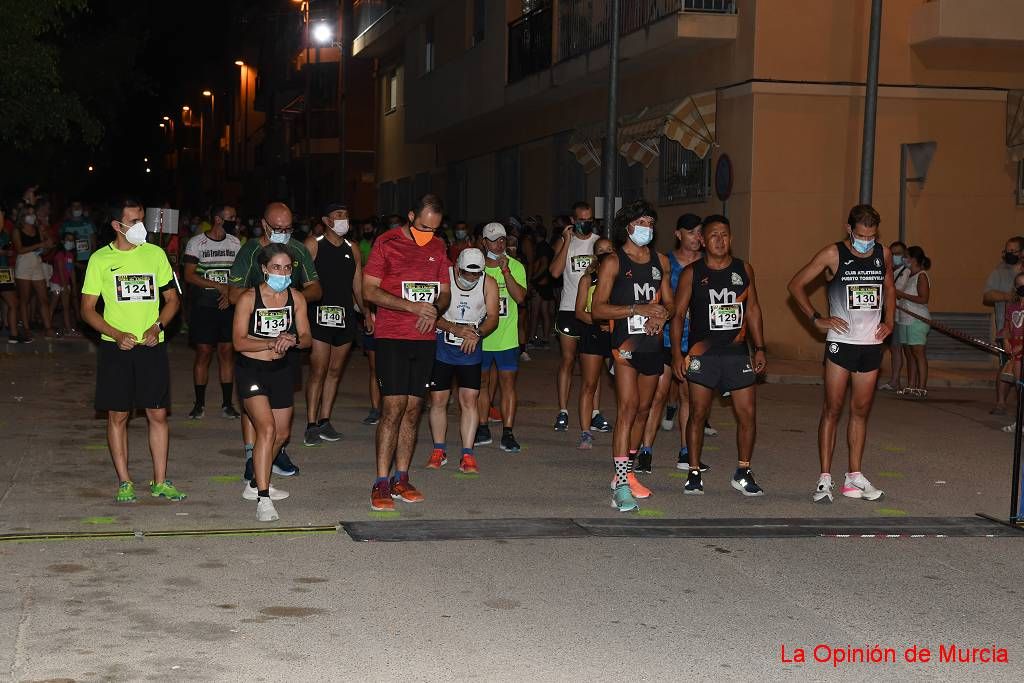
(583, 25)
(366, 13)
(529, 44)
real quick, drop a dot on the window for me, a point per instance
(684, 177)
(506, 177)
(1020, 183)
(479, 20)
(390, 91)
(428, 46)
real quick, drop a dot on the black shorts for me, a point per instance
(595, 341)
(855, 357)
(270, 378)
(721, 372)
(335, 336)
(568, 325)
(441, 377)
(546, 292)
(644, 362)
(210, 325)
(404, 366)
(128, 380)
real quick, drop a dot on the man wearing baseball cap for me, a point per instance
(501, 347)
(471, 316)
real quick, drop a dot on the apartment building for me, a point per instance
(500, 105)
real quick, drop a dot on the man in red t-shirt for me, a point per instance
(406, 278)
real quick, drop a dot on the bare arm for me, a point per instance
(490, 323)
(924, 290)
(682, 295)
(755, 322)
(305, 338)
(557, 266)
(515, 290)
(992, 296)
(93, 318)
(374, 294)
(357, 278)
(240, 326)
(581, 299)
(888, 299)
(826, 259)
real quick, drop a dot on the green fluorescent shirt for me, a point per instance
(506, 335)
(129, 282)
(246, 271)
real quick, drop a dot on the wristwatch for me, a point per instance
(160, 325)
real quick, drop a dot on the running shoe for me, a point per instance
(311, 437)
(525, 357)
(467, 465)
(372, 418)
(694, 486)
(166, 489)
(508, 443)
(438, 459)
(483, 436)
(709, 430)
(623, 500)
(586, 442)
(380, 496)
(283, 465)
(599, 424)
(889, 386)
(669, 419)
(248, 476)
(228, 412)
(858, 486)
(998, 410)
(743, 481)
(636, 488)
(250, 493)
(562, 421)
(683, 463)
(643, 461)
(198, 412)
(823, 492)
(125, 493)
(329, 433)
(406, 492)
(1010, 428)
(493, 415)
(265, 511)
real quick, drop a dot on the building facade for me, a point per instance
(499, 105)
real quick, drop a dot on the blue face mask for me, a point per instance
(897, 260)
(278, 283)
(642, 235)
(279, 237)
(494, 257)
(863, 246)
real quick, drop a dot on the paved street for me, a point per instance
(321, 606)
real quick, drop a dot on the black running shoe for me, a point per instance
(372, 418)
(198, 412)
(683, 463)
(283, 465)
(249, 476)
(694, 485)
(228, 412)
(508, 443)
(643, 461)
(483, 436)
(743, 481)
(311, 437)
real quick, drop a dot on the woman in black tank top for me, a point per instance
(269, 321)
(634, 295)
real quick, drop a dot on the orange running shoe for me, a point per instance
(380, 497)
(635, 487)
(468, 464)
(404, 491)
(438, 459)
(494, 415)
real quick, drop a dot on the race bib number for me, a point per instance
(863, 297)
(450, 338)
(578, 264)
(725, 316)
(6, 276)
(82, 246)
(271, 322)
(502, 307)
(635, 324)
(330, 316)
(420, 292)
(135, 288)
(218, 275)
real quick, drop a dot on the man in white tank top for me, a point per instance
(574, 252)
(862, 302)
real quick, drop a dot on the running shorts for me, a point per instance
(129, 380)
(270, 378)
(404, 366)
(721, 372)
(507, 360)
(210, 325)
(644, 362)
(441, 377)
(568, 325)
(595, 341)
(855, 357)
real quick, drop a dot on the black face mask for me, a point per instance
(1020, 291)
(1011, 259)
(584, 227)
(229, 227)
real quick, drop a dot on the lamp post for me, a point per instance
(213, 124)
(245, 112)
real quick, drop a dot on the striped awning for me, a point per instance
(1015, 124)
(585, 145)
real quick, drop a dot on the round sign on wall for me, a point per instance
(723, 177)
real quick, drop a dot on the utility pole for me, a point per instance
(611, 152)
(867, 152)
(306, 108)
(344, 53)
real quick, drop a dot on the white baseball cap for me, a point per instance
(494, 231)
(470, 260)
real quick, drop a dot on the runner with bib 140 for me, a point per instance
(861, 305)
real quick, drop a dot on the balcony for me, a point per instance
(582, 26)
(380, 24)
(968, 23)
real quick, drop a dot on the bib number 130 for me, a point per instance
(863, 297)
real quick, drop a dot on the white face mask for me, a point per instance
(136, 233)
(30, 219)
(77, 213)
(340, 227)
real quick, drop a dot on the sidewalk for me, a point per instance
(941, 374)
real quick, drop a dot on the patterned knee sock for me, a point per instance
(622, 467)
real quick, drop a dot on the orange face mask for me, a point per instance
(422, 237)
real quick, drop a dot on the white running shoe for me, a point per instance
(1010, 428)
(265, 511)
(823, 493)
(250, 493)
(525, 357)
(858, 486)
(710, 431)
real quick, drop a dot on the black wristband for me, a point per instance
(815, 316)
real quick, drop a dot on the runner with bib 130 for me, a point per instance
(861, 306)
(719, 295)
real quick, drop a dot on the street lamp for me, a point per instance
(322, 33)
(239, 62)
(91, 169)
